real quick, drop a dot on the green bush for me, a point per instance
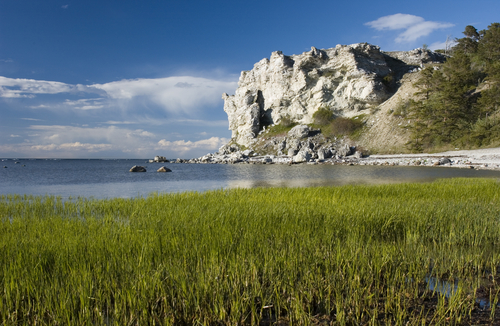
(323, 116)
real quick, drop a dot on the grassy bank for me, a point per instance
(347, 255)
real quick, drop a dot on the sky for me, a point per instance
(140, 78)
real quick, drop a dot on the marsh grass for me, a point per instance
(351, 255)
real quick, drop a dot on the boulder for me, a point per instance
(163, 169)
(292, 152)
(302, 156)
(138, 168)
(344, 151)
(299, 132)
(444, 161)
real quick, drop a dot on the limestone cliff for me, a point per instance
(349, 80)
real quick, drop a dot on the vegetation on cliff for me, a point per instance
(459, 100)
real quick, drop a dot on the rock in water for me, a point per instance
(138, 168)
(163, 169)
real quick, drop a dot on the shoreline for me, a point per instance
(484, 159)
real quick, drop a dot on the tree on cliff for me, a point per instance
(459, 99)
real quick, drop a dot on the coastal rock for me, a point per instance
(349, 80)
(158, 159)
(444, 161)
(299, 132)
(344, 151)
(302, 156)
(137, 168)
(163, 169)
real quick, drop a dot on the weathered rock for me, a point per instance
(292, 152)
(163, 169)
(137, 168)
(417, 57)
(344, 151)
(302, 156)
(299, 132)
(347, 79)
(444, 161)
(357, 154)
(247, 152)
(159, 159)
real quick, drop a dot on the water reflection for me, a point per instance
(108, 179)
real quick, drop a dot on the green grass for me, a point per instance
(347, 255)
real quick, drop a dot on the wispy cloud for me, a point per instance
(178, 94)
(86, 104)
(442, 45)
(414, 27)
(65, 6)
(182, 146)
(70, 147)
(20, 87)
(77, 141)
(162, 122)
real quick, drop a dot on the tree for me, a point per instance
(469, 43)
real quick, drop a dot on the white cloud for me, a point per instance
(111, 122)
(86, 104)
(182, 146)
(20, 87)
(174, 94)
(75, 141)
(442, 45)
(65, 6)
(394, 22)
(178, 94)
(161, 122)
(14, 136)
(70, 147)
(414, 27)
(59, 134)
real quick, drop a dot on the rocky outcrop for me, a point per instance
(158, 159)
(348, 80)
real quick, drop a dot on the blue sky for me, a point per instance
(135, 79)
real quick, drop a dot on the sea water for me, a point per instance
(111, 178)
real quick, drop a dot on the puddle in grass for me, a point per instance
(448, 289)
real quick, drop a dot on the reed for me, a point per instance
(350, 255)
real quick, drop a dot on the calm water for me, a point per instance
(110, 178)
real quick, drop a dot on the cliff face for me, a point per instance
(348, 80)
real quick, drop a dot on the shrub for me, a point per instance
(344, 126)
(286, 121)
(323, 116)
